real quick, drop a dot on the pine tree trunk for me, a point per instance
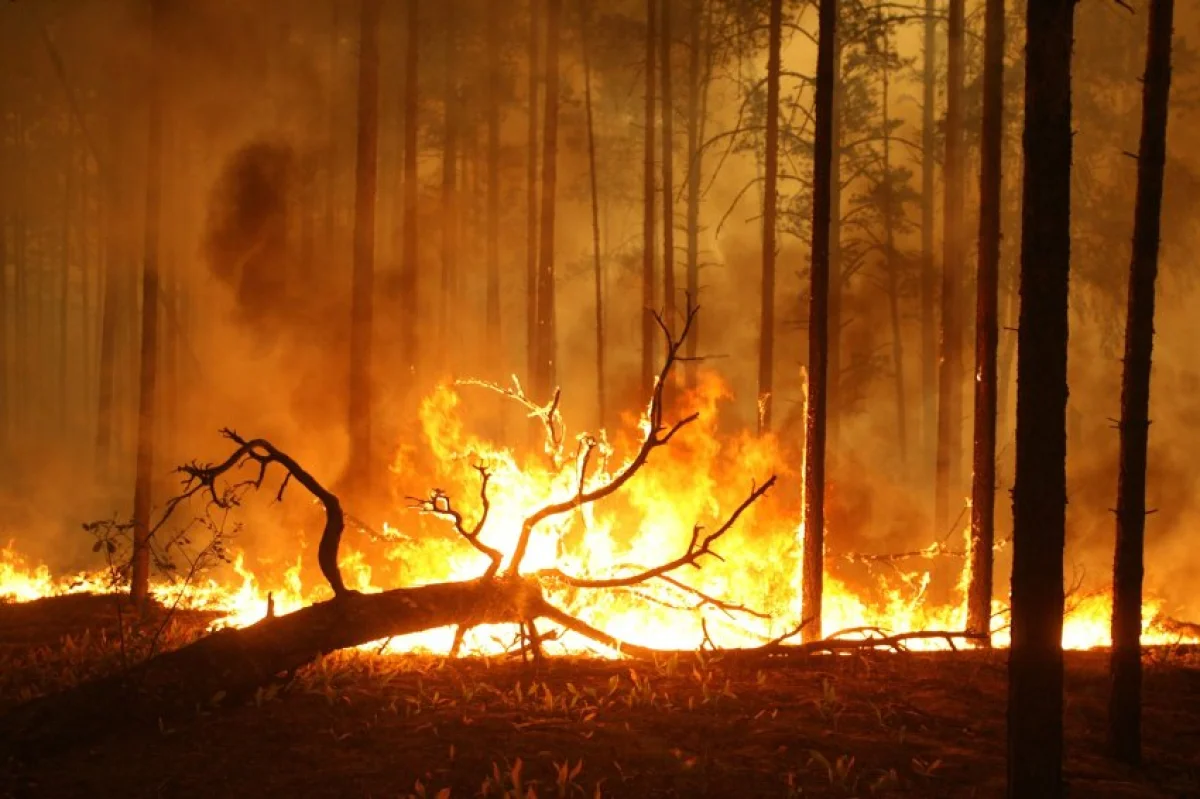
(494, 346)
(928, 268)
(597, 266)
(766, 330)
(409, 268)
(547, 338)
(1125, 699)
(1035, 670)
(63, 400)
(6, 370)
(892, 267)
(361, 472)
(836, 282)
(447, 311)
(648, 330)
(668, 166)
(694, 159)
(813, 576)
(531, 208)
(983, 487)
(139, 581)
(949, 440)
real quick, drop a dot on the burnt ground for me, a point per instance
(875, 724)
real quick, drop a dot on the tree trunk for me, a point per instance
(928, 270)
(766, 331)
(139, 582)
(230, 665)
(531, 208)
(1035, 668)
(360, 472)
(818, 333)
(694, 159)
(668, 167)
(948, 486)
(983, 487)
(409, 270)
(547, 335)
(63, 400)
(447, 310)
(494, 345)
(836, 282)
(6, 371)
(890, 255)
(597, 267)
(1125, 699)
(648, 327)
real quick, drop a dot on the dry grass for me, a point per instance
(921, 725)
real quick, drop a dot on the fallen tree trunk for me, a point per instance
(231, 664)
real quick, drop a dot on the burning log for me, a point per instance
(231, 664)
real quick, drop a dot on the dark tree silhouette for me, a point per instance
(668, 162)
(950, 404)
(545, 377)
(531, 197)
(813, 577)
(1125, 700)
(983, 487)
(360, 470)
(647, 381)
(409, 285)
(1035, 665)
(766, 333)
(928, 267)
(447, 302)
(597, 266)
(494, 332)
(139, 581)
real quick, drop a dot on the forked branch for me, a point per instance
(438, 504)
(200, 477)
(697, 548)
(657, 435)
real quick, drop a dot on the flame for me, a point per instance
(698, 479)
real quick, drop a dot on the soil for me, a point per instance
(356, 724)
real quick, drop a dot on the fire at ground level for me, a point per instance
(927, 724)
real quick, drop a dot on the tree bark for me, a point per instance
(983, 486)
(494, 346)
(648, 330)
(694, 159)
(813, 576)
(447, 306)
(668, 166)
(597, 266)
(360, 472)
(547, 334)
(410, 268)
(928, 268)
(139, 583)
(890, 264)
(950, 406)
(766, 332)
(531, 208)
(1125, 698)
(836, 281)
(231, 664)
(1035, 692)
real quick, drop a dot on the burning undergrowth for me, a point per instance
(663, 537)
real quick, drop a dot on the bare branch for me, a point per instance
(438, 504)
(657, 435)
(696, 549)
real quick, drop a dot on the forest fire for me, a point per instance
(742, 601)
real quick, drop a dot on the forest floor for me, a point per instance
(355, 724)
